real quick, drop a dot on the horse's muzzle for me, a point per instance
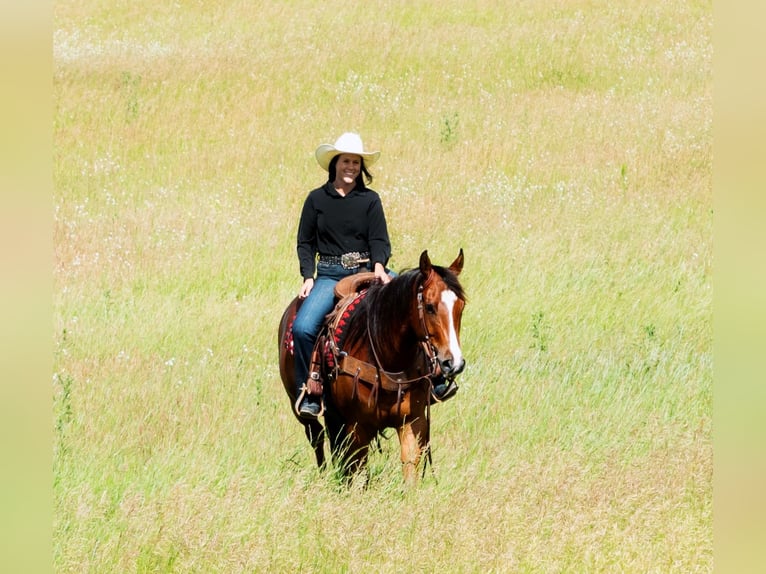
(450, 369)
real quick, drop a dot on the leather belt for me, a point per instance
(350, 260)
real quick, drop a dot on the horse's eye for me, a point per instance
(430, 309)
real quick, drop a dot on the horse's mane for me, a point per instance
(385, 306)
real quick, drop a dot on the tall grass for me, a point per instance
(567, 147)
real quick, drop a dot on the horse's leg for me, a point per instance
(336, 431)
(315, 436)
(413, 441)
(352, 449)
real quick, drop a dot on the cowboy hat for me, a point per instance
(347, 143)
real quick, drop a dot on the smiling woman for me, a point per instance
(340, 218)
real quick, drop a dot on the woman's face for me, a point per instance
(348, 167)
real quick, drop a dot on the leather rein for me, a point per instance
(426, 345)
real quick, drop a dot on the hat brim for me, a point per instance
(326, 152)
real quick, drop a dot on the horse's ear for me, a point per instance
(457, 264)
(425, 263)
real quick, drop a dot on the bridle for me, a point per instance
(426, 344)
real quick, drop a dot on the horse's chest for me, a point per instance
(359, 400)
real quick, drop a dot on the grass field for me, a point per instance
(565, 146)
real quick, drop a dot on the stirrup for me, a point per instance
(299, 400)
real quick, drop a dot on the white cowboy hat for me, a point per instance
(346, 143)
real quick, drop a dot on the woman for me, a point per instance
(343, 225)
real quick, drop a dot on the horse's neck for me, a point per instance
(395, 345)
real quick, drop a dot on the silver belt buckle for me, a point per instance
(350, 260)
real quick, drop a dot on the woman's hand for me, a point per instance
(380, 273)
(306, 288)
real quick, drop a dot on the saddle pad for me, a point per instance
(342, 321)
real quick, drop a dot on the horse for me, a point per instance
(382, 350)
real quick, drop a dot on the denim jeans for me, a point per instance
(311, 314)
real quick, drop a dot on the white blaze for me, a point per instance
(449, 298)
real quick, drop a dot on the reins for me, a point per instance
(425, 341)
(375, 374)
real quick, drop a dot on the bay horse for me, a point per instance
(383, 349)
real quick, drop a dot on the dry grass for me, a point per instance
(567, 147)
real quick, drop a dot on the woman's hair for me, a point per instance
(360, 179)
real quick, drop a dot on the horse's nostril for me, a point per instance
(450, 368)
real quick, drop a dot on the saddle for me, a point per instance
(353, 284)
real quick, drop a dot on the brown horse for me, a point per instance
(383, 350)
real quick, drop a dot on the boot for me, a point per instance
(309, 408)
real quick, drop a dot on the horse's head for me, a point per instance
(440, 308)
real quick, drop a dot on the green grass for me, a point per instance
(566, 147)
